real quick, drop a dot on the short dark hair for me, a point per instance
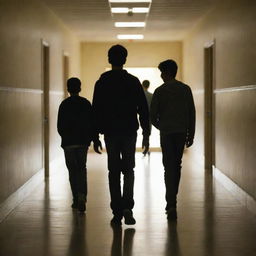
(117, 55)
(145, 84)
(168, 66)
(74, 85)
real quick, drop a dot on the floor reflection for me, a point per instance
(78, 243)
(122, 246)
(172, 240)
(211, 222)
(46, 220)
(209, 214)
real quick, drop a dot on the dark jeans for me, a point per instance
(76, 163)
(172, 149)
(121, 159)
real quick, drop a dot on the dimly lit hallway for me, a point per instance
(43, 42)
(210, 220)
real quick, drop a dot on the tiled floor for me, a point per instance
(210, 220)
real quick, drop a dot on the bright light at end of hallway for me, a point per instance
(130, 37)
(130, 24)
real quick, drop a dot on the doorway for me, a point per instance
(209, 106)
(65, 73)
(45, 100)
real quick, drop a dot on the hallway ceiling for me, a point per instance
(167, 20)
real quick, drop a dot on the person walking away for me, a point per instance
(75, 126)
(173, 113)
(117, 101)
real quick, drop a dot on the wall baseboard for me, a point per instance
(244, 198)
(19, 195)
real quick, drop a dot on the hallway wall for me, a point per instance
(232, 25)
(95, 61)
(23, 24)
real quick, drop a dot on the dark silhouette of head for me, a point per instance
(145, 84)
(117, 55)
(74, 85)
(168, 69)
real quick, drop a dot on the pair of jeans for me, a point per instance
(172, 150)
(76, 158)
(121, 159)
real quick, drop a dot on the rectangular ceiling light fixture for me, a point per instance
(126, 10)
(136, 37)
(130, 1)
(140, 10)
(130, 24)
(119, 10)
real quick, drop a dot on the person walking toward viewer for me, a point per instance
(173, 113)
(75, 126)
(118, 99)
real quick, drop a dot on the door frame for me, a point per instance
(209, 105)
(65, 72)
(45, 64)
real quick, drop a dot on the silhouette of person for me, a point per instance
(173, 113)
(145, 85)
(76, 130)
(118, 99)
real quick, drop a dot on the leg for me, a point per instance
(81, 177)
(81, 159)
(172, 150)
(71, 166)
(128, 164)
(179, 140)
(114, 167)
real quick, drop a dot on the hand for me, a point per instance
(189, 142)
(96, 146)
(145, 144)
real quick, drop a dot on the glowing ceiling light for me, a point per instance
(119, 10)
(130, 36)
(130, 24)
(126, 10)
(140, 10)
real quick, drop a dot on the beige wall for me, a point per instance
(232, 25)
(94, 59)
(23, 24)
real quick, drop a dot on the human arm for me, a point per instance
(60, 120)
(97, 146)
(145, 144)
(96, 110)
(154, 110)
(143, 112)
(191, 120)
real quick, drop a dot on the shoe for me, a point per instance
(172, 214)
(116, 221)
(81, 203)
(128, 217)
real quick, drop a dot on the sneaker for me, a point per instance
(128, 217)
(81, 203)
(172, 214)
